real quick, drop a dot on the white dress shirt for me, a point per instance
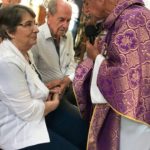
(22, 97)
(49, 63)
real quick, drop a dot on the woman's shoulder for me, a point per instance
(8, 56)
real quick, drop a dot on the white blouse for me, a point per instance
(22, 97)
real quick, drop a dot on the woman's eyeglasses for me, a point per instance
(28, 24)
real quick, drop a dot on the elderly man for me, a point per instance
(53, 53)
(54, 57)
(115, 78)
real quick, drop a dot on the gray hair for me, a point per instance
(52, 6)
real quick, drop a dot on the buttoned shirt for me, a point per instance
(51, 64)
(22, 97)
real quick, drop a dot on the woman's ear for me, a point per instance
(11, 35)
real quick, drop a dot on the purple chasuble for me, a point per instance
(123, 78)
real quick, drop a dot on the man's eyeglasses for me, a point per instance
(28, 24)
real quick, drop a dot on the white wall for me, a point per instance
(34, 2)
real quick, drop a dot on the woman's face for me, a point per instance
(26, 33)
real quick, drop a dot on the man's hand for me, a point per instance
(92, 50)
(64, 84)
(54, 83)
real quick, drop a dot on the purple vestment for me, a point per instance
(123, 78)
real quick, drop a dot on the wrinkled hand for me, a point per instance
(54, 83)
(92, 50)
(56, 100)
(64, 84)
(55, 90)
(58, 86)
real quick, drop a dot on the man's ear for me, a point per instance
(49, 14)
(110, 5)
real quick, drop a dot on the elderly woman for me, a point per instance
(24, 99)
(116, 78)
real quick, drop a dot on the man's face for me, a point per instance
(94, 10)
(59, 22)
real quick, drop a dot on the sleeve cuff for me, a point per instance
(71, 76)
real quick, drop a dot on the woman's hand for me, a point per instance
(55, 90)
(52, 103)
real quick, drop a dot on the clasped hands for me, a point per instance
(58, 86)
